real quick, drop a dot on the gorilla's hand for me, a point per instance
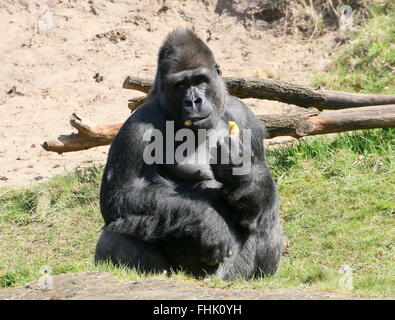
(231, 167)
(215, 239)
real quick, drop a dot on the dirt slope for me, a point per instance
(50, 51)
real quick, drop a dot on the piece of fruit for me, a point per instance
(233, 129)
(187, 122)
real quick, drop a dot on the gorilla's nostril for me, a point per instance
(190, 103)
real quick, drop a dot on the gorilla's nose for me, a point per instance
(193, 103)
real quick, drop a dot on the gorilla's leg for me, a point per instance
(262, 250)
(241, 264)
(270, 248)
(121, 249)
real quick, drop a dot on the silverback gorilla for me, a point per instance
(201, 218)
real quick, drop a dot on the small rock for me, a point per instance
(98, 77)
(114, 35)
(14, 92)
(163, 9)
(38, 178)
(3, 178)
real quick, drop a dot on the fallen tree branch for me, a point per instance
(88, 136)
(299, 125)
(134, 103)
(311, 123)
(284, 92)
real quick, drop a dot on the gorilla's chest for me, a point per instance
(193, 172)
(192, 161)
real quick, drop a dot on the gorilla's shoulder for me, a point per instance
(145, 119)
(148, 116)
(237, 111)
(148, 113)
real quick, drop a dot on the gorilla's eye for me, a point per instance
(200, 79)
(179, 85)
(218, 68)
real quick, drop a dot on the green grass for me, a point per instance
(367, 63)
(337, 207)
(337, 197)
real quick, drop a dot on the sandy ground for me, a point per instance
(51, 55)
(105, 286)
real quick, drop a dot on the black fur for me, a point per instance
(160, 217)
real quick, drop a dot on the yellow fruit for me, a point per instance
(187, 123)
(233, 129)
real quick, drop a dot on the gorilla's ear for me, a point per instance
(218, 68)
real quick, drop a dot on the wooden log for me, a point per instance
(298, 125)
(313, 123)
(284, 92)
(139, 84)
(88, 136)
(134, 103)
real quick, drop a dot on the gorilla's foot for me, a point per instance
(120, 249)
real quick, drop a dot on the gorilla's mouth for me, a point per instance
(195, 120)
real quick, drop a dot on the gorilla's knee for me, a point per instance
(120, 249)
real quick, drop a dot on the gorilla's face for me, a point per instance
(192, 97)
(192, 90)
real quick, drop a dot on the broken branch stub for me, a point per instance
(88, 136)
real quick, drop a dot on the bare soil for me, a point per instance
(72, 56)
(104, 286)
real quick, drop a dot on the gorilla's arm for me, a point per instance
(154, 210)
(254, 194)
(137, 201)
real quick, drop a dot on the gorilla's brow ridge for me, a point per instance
(174, 77)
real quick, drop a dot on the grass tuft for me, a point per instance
(367, 63)
(378, 142)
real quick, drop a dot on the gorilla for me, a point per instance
(201, 218)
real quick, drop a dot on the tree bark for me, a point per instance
(284, 92)
(299, 125)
